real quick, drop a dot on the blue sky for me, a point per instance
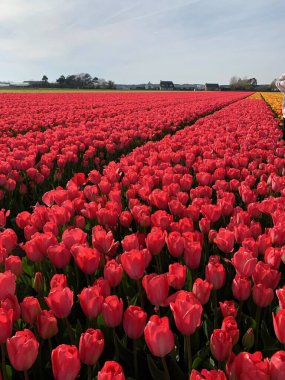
(130, 41)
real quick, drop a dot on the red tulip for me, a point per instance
(6, 322)
(7, 284)
(241, 288)
(175, 244)
(91, 346)
(65, 362)
(158, 336)
(225, 240)
(60, 301)
(14, 264)
(113, 273)
(221, 344)
(47, 324)
(156, 288)
(30, 309)
(202, 290)
(230, 325)
(215, 273)
(187, 313)
(262, 296)
(279, 325)
(91, 301)
(248, 366)
(277, 365)
(112, 311)
(134, 263)
(22, 350)
(87, 259)
(111, 370)
(176, 275)
(134, 321)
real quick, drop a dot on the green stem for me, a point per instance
(115, 344)
(215, 306)
(239, 313)
(140, 292)
(3, 361)
(189, 353)
(257, 319)
(158, 263)
(70, 331)
(89, 372)
(166, 372)
(26, 375)
(135, 359)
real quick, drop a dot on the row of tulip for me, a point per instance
(275, 102)
(168, 264)
(81, 131)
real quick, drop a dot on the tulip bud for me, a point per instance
(279, 325)
(248, 339)
(6, 322)
(134, 321)
(202, 290)
(14, 264)
(60, 301)
(113, 273)
(91, 300)
(39, 282)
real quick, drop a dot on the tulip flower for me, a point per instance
(111, 370)
(65, 362)
(91, 346)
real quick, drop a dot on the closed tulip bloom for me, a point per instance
(176, 275)
(156, 288)
(113, 273)
(187, 313)
(155, 240)
(241, 288)
(65, 362)
(134, 263)
(134, 321)
(38, 284)
(47, 324)
(202, 290)
(263, 274)
(14, 264)
(6, 323)
(60, 301)
(11, 302)
(111, 370)
(279, 325)
(87, 259)
(281, 297)
(216, 274)
(158, 336)
(91, 301)
(175, 244)
(30, 309)
(58, 281)
(220, 344)
(7, 284)
(244, 262)
(277, 365)
(59, 255)
(91, 346)
(192, 254)
(262, 296)
(112, 311)
(230, 325)
(225, 240)
(22, 350)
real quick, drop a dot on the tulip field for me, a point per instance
(142, 236)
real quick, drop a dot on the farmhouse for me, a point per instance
(212, 87)
(166, 85)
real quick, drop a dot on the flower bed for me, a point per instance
(168, 264)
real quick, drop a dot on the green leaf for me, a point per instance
(200, 357)
(269, 342)
(156, 373)
(125, 353)
(175, 370)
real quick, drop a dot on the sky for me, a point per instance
(131, 41)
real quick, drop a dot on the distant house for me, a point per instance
(166, 85)
(151, 86)
(212, 87)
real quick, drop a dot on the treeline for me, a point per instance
(245, 84)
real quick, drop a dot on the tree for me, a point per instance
(61, 80)
(45, 79)
(110, 84)
(234, 80)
